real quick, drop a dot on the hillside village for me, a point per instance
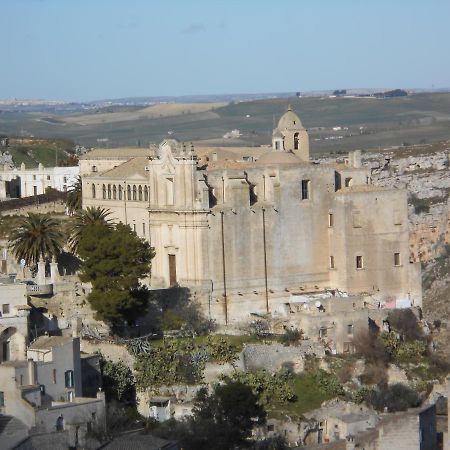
(320, 285)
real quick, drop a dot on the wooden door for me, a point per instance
(172, 270)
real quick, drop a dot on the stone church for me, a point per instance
(249, 229)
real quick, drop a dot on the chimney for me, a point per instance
(31, 372)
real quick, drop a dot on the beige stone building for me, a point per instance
(248, 229)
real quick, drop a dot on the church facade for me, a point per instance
(248, 229)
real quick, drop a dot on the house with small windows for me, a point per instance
(18, 182)
(44, 391)
(246, 229)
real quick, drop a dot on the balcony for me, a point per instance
(39, 289)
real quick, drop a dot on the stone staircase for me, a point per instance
(12, 432)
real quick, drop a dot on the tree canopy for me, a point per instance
(92, 215)
(226, 417)
(114, 260)
(36, 237)
(74, 196)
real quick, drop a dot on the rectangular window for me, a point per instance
(356, 218)
(54, 376)
(331, 262)
(48, 177)
(2, 399)
(34, 190)
(397, 261)
(69, 378)
(330, 220)
(359, 262)
(397, 218)
(5, 308)
(143, 229)
(350, 330)
(348, 182)
(306, 189)
(323, 332)
(134, 227)
(172, 270)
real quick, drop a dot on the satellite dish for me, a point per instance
(318, 304)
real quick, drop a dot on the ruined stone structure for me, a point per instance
(246, 229)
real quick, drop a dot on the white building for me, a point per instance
(23, 182)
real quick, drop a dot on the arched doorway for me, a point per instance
(12, 344)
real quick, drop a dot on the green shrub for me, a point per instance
(291, 336)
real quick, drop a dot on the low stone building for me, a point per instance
(44, 393)
(14, 312)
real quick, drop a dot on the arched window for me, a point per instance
(114, 192)
(120, 192)
(140, 193)
(104, 191)
(296, 141)
(129, 192)
(109, 192)
(134, 192)
(146, 193)
(93, 190)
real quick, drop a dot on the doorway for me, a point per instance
(172, 270)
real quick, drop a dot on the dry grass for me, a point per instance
(149, 112)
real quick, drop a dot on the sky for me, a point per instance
(80, 50)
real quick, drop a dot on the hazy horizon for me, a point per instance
(93, 50)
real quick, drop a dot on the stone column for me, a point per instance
(40, 277)
(54, 273)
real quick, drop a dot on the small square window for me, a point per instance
(48, 177)
(397, 261)
(5, 308)
(323, 332)
(306, 189)
(359, 262)
(350, 329)
(348, 182)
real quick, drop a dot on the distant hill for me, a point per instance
(335, 124)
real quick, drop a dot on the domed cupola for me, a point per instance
(290, 135)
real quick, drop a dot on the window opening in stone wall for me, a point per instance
(397, 261)
(134, 192)
(305, 189)
(5, 308)
(252, 195)
(134, 227)
(140, 193)
(331, 262)
(143, 229)
(109, 192)
(169, 191)
(330, 220)
(146, 193)
(129, 192)
(323, 332)
(104, 192)
(54, 376)
(350, 329)
(172, 270)
(114, 192)
(359, 262)
(295, 141)
(120, 192)
(277, 145)
(212, 199)
(68, 377)
(93, 190)
(348, 182)
(2, 399)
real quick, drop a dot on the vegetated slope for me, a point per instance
(365, 122)
(49, 152)
(436, 296)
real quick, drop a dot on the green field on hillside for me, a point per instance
(365, 123)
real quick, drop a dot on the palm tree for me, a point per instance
(36, 238)
(74, 196)
(92, 215)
